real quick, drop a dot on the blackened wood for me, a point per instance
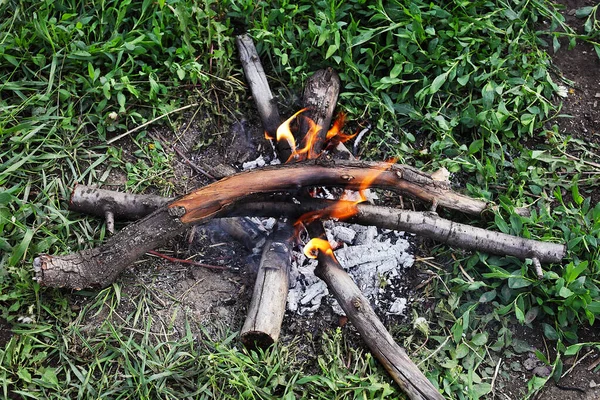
(341, 173)
(243, 230)
(265, 314)
(320, 97)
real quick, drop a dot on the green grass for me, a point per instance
(464, 85)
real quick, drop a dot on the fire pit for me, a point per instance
(374, 254)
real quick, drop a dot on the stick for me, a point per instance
(373, 332)
(320, 97)
(425, 224)
(99, 267)
(265, 314)
(257, 81)
(131, 207)
(149, 122)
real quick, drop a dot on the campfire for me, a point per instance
(293, 193)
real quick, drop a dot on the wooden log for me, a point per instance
(99, 267)
(320, 97)
(422, 223)
(123, 206)
(263, 98)
(372, 331)
(426, 224)
(265, 314)
(131, 207)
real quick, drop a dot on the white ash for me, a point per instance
(398, 306)
(258, 163)
(343, 233)
(374, 258)
(268, 223)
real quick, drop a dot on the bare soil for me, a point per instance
(580, 65)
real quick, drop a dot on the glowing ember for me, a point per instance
(316, 245)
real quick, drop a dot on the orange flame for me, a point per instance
(338, 124)
(307, 151)
(343, 209)
(285, 132)
(335, 134)
(340, 210)
(316, 245)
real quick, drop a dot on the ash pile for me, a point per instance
(376, 259)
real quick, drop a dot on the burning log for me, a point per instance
(267, 308)
(427, 224)
(320, 98)
(99, 267)
(263, 98)
(371, 329)
(422, 223)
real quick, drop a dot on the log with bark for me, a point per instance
(99, 267)
(381, 343)
(422, 223)
(320, 98)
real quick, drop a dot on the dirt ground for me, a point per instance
(581, 66)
